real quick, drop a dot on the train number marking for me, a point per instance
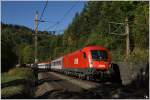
(76, 61)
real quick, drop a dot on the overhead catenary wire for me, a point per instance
(68, 12)
(42, 13)
(62, 18)
(65, 15)
(43, 10)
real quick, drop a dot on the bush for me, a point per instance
(139, 55)
(25, 73)
(117, 55)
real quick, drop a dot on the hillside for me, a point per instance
(91, 27)
(18, 45)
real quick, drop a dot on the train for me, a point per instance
(91, 62)
(44, 65)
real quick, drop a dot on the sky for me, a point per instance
(23, 13)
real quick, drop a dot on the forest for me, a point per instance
(90, 27)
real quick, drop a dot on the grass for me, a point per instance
(12, 90)
(15, 74)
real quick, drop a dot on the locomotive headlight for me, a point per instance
(101, 65)
(91, 65)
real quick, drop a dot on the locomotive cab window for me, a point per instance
(84, 54)
(100, 55)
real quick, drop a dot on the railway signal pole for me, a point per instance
(126, 34)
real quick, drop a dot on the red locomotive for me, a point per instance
(90, 62)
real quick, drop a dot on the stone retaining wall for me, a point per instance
(130, 71)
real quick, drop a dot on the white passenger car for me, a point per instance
(44, 65)
(57, 64)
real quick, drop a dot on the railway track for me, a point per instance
(55, 82)
(65, 82)
(58, 86)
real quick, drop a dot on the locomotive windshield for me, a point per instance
(99, 55)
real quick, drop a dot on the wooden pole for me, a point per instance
(35, 36)
(127, 37)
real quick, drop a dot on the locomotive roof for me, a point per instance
(88, 48)
(85, 48)
(94, 47)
